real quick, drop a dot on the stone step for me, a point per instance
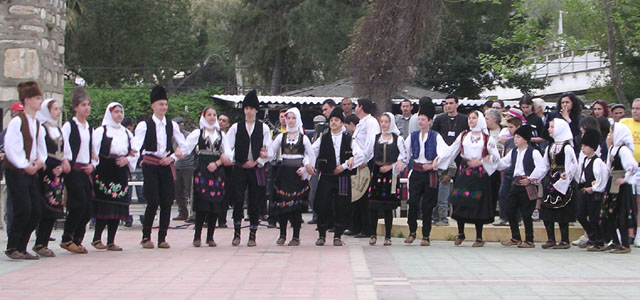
(490, 233)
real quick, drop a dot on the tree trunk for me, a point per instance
(276, 79)
(611, 53)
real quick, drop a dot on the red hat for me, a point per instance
(17, 106)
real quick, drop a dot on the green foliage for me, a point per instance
(135, 100)
(311, 33)
(129, 42)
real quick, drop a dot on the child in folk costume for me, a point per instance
(112, 143)
(388, 153)
(619, 209)
(527, 166)
(333, 196)
(208, 177)
(77, 134)
(25, 154)
(291, 186)
(248, 141)
(427, 149)
(557, 202)
(51, 179)
(154, 138)
(592, 180)
(471, 195)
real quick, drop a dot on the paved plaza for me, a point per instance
(354, 271)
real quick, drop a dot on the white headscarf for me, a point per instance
(204, 124)
(481, 125)
(622, 136)
(298, 126)
(108, 119)
(44, 115)
(393, 128)
(562, 131)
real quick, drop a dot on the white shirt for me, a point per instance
(231, 141)
(83, 153)
(308, 158)
(119, 145)
(194, 137)
(600, 172)
(161, 138)
(441, 150)
(539, 171)
(570, 165)
(629, 163)
(364, 138)
(14, 144)
(473, 149)
(336, 138)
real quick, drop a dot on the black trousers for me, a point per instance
(43, 232)
(25, 200)
(244, 179)
(589, 217)
(228, 194)
(551, 231)
(518, 201)
(211, 218)
(421, 197)
(330, 206)
(79, 206)
(159, 191)
(388, 222)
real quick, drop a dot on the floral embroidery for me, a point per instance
(114, 190)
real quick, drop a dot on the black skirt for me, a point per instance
(290, 191)
(52, 195)
(620, 208)
(208, 187)
(564, 214)
(471, 195)
(111, 189)
(380, 196)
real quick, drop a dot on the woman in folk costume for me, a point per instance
(208, 177)
(112, 143)
(619, 208)
(291, 187)
(51, 179)
(557, 202)
(388, 153)
(471, 195)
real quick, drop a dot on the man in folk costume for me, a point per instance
(363, 141)
(25, 154)
(527, 166)
(247, 142)
(334, 155)
(425, 148)
(154, 138)
(77, 136)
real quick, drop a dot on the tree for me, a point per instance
(295, 42)
(386, 43)
(118, 42)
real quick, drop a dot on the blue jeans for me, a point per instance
(505, 188)
(441, 211)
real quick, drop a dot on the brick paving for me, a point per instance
(355, 271)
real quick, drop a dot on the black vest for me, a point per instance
(589, 177)
(386, 153)
(527, 161)
(326, 161)
(205, 144)
(105, 145)
(297, 148)
(74, 140)
(556, 161)
(52, 146)
(242, 142)
(150, 143)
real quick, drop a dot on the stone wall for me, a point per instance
(31, 47)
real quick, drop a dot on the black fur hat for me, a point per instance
(428, 109)
(337, 113)
(592, 138)
(251, 100)
(524, 132)
(158, 93)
